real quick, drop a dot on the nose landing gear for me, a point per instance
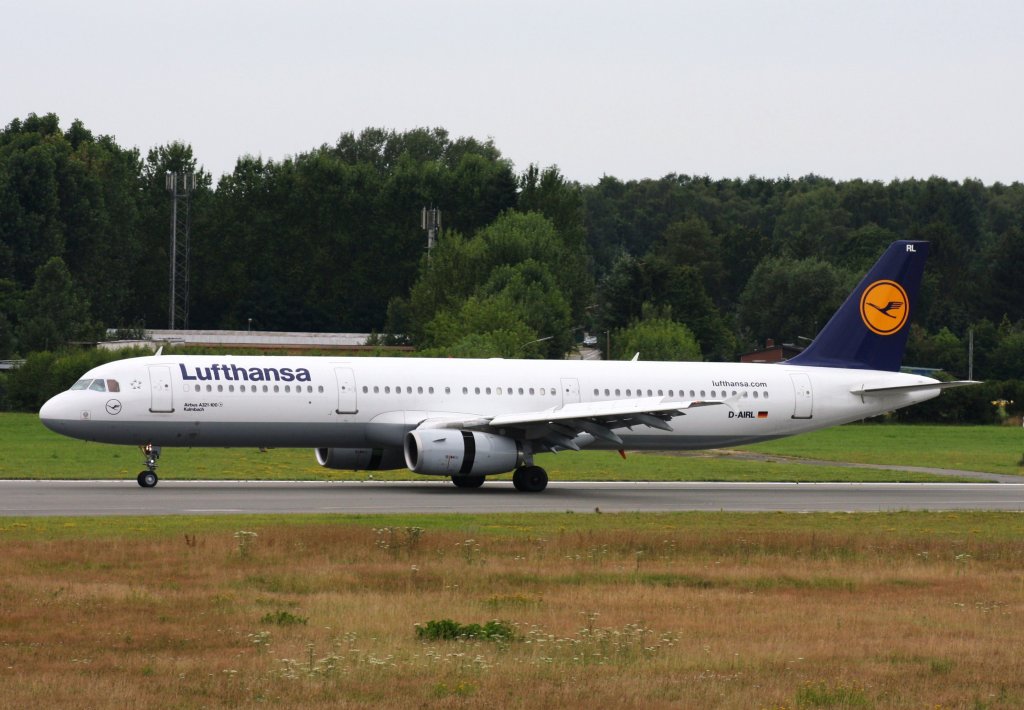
(148, 478)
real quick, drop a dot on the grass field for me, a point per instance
(677, 610)
(29, 450)
(996, 449)
(769, 610)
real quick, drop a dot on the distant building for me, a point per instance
(772, 352)
(254, 340)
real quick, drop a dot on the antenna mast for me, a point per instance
(430, 221)
(181, 187)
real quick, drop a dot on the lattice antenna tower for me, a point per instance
(180, 186)
(430, 221)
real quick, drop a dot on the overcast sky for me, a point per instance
(876, 90)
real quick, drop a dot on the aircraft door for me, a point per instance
(346, 390)
(160, 390)
(803, 396)
(570, 390)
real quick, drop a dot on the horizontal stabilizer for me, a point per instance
(863, 390)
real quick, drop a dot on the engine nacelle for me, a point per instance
(450, 452)
(380, 459)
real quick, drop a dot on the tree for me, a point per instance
(519, 260)
(633, 282)
(942, 350)
(812, 223)
(656, 337)
(8, 308)
(786, 299)
(521, 300)
(691, 243)
(53, 312)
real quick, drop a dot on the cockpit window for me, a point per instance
(113, 386)
(81, 385)
(98, 386)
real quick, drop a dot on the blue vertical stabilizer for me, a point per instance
(870, 329)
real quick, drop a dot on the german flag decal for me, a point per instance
(762, 415)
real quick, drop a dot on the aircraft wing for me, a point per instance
(559, 427)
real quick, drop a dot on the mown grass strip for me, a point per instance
(30, 451)
(960, 524)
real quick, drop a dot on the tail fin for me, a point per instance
(870, 329)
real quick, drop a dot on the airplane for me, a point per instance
(467, 419)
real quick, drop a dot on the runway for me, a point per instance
(74, 498)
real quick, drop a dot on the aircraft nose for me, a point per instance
(53, 413)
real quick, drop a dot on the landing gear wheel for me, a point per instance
(530, 479)
(468, 481)
(147, 479)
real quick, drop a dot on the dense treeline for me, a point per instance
(330, 240)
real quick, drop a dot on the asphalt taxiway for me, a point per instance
(49, 498)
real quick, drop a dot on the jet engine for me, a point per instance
(382, 459)
(450, 452)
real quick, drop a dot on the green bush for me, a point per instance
(45, 373)
(447, 630)
(283, 618)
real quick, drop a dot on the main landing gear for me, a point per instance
(148, 478)
(530, 479)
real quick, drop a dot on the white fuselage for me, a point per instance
(180, 400)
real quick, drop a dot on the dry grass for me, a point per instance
(318, 615)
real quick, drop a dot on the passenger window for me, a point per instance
(220, 388)
(629, 393)
(276, 388)
(366, 390)
(498, 391)
(209, 388)
(488, 390)
(419, 390)
(231, 388)
(113, 386)
(476, 390)
(98, 386)
(387, 390)
(287, 388)
(531, 390)
(520, 390)
(765, 395)
(465, 390)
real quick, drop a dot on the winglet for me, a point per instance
(870, 329)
